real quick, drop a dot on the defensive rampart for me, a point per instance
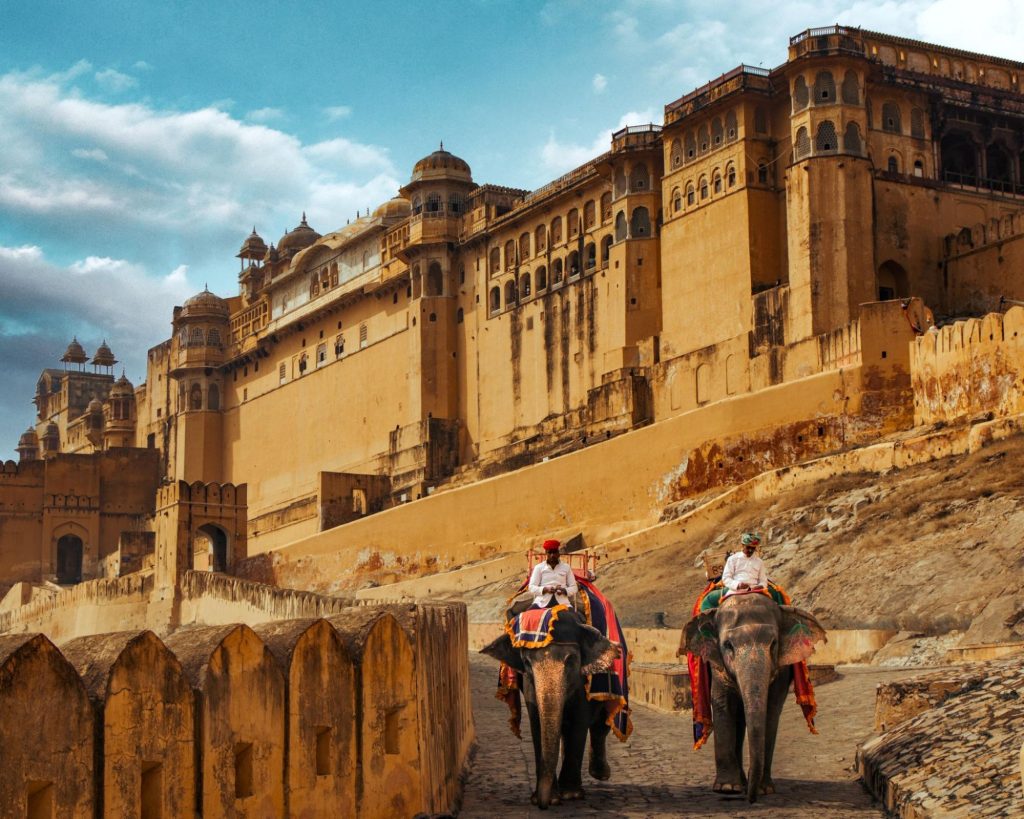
(387, 733)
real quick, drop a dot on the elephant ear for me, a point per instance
(700, 636)
(797, 635)
(597, 652)
(503, 651)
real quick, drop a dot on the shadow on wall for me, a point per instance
(373, 706)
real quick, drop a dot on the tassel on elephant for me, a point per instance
(751, 643)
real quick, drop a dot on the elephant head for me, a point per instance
(553, 678)
(748, 640)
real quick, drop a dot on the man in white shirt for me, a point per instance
(745, 570)
(552, 582)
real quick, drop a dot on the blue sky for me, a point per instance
(141, 141)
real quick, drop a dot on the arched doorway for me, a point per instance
(959, 159)
(211, 540)
(69, 560)
(892, 282)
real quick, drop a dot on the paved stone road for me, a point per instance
(657, 774)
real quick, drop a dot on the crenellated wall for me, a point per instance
(374, 703)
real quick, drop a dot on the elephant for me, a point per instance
(557, 704)
(751, 642)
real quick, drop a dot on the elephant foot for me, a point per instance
(556, 798)
(728, 787)
(600, 770)
(570, 794)
(767, 786)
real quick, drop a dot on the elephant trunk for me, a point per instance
(550, 689)
(753, 686)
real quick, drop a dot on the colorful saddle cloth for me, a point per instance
(700, 670)
(533, 628)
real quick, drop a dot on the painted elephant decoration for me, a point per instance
(752, 643)
(556, 701)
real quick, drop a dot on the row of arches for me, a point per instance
(435, 204)
(196, 398)
(826, 141)
(967, 161)
(637, 180)
(709, 137)
(200, 337)
(824, 90)
(892, 120)
(549, 236)
(708, 185)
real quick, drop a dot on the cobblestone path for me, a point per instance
(657, 774)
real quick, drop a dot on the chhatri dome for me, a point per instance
(300, 238)
(253, 247)
(104, 356)
(75, 353)
(442, 165)
(204, 304)
(122, 386)
(398, 207)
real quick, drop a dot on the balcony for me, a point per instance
(741, 78)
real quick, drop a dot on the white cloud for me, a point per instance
(600, 82)
(336, 112)
(90, 153)
(142, 65)
(265, 115)
(559, 157)
(114, 81)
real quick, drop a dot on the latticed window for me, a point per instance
(589, 215)
(213, 337)
(690, 194)
(703, 187)
(282, 373)
(800, 94)
(362, 336)
(826, 141)
(824, 88)
(606, 207)
(573, 222)
(851, 88)
(703, 139)
(433, 203)
(730, 175)
(851, 139)
(196, 338)
(691, 146)
(917, 123)
(676, 154)
(677, 201)
(891, 118)
(716, 183)
(730, 126)
(716, 132)
(802, 144)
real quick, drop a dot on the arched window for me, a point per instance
(572, 264)
(892, 282)
(998, 166)
(590, 256)
(730, 175)
(703, 184)
(540, 236)
(620, 182)
(730, 126)
(606, 207)
(572, 223)
(510, 254)
(542, 278)
(716, 181)
(893, 165)
(620, 226)
(677, 200)
(640, 223)
(760, 121)
(524, 246)
(433, 203)
(510, 293)
(455, 203)
(826, 142)
(589, 215)
(282, 373)
(435, 280)
(195, 397)
(213, 397)
(196, 338)
(213, 337)
(525, 289)
(495, 261)
(495, 304)
(891, 118)
(690, 194)
(824, 88)
(800, 93)
(460, 316)
(556, 271)
(703, 139)
(676, 154)
(959, 159)
(417, 204)
(918, 168)
(802, 143)
(917, 123)
(762, 173)
(339, 345)
(851, 88)
(639, 179)
(606, 249)
(690, 142)
(556, 231)
(851, 139)
(717, 132)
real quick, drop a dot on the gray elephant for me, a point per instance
(752, 643)
(557, 704)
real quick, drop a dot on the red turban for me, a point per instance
(551, 545)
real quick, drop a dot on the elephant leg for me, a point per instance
(727, 709)
(575, 723)
(538, 754)
(776, 702)
(599, 730)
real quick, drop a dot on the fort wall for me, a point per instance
(390, 735)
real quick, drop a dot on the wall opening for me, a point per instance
(40, 800)
(243, 770)
(391, 723)
(323, 751)
(892, 281)
(69, 560)
(218, 546)
(152, 790)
